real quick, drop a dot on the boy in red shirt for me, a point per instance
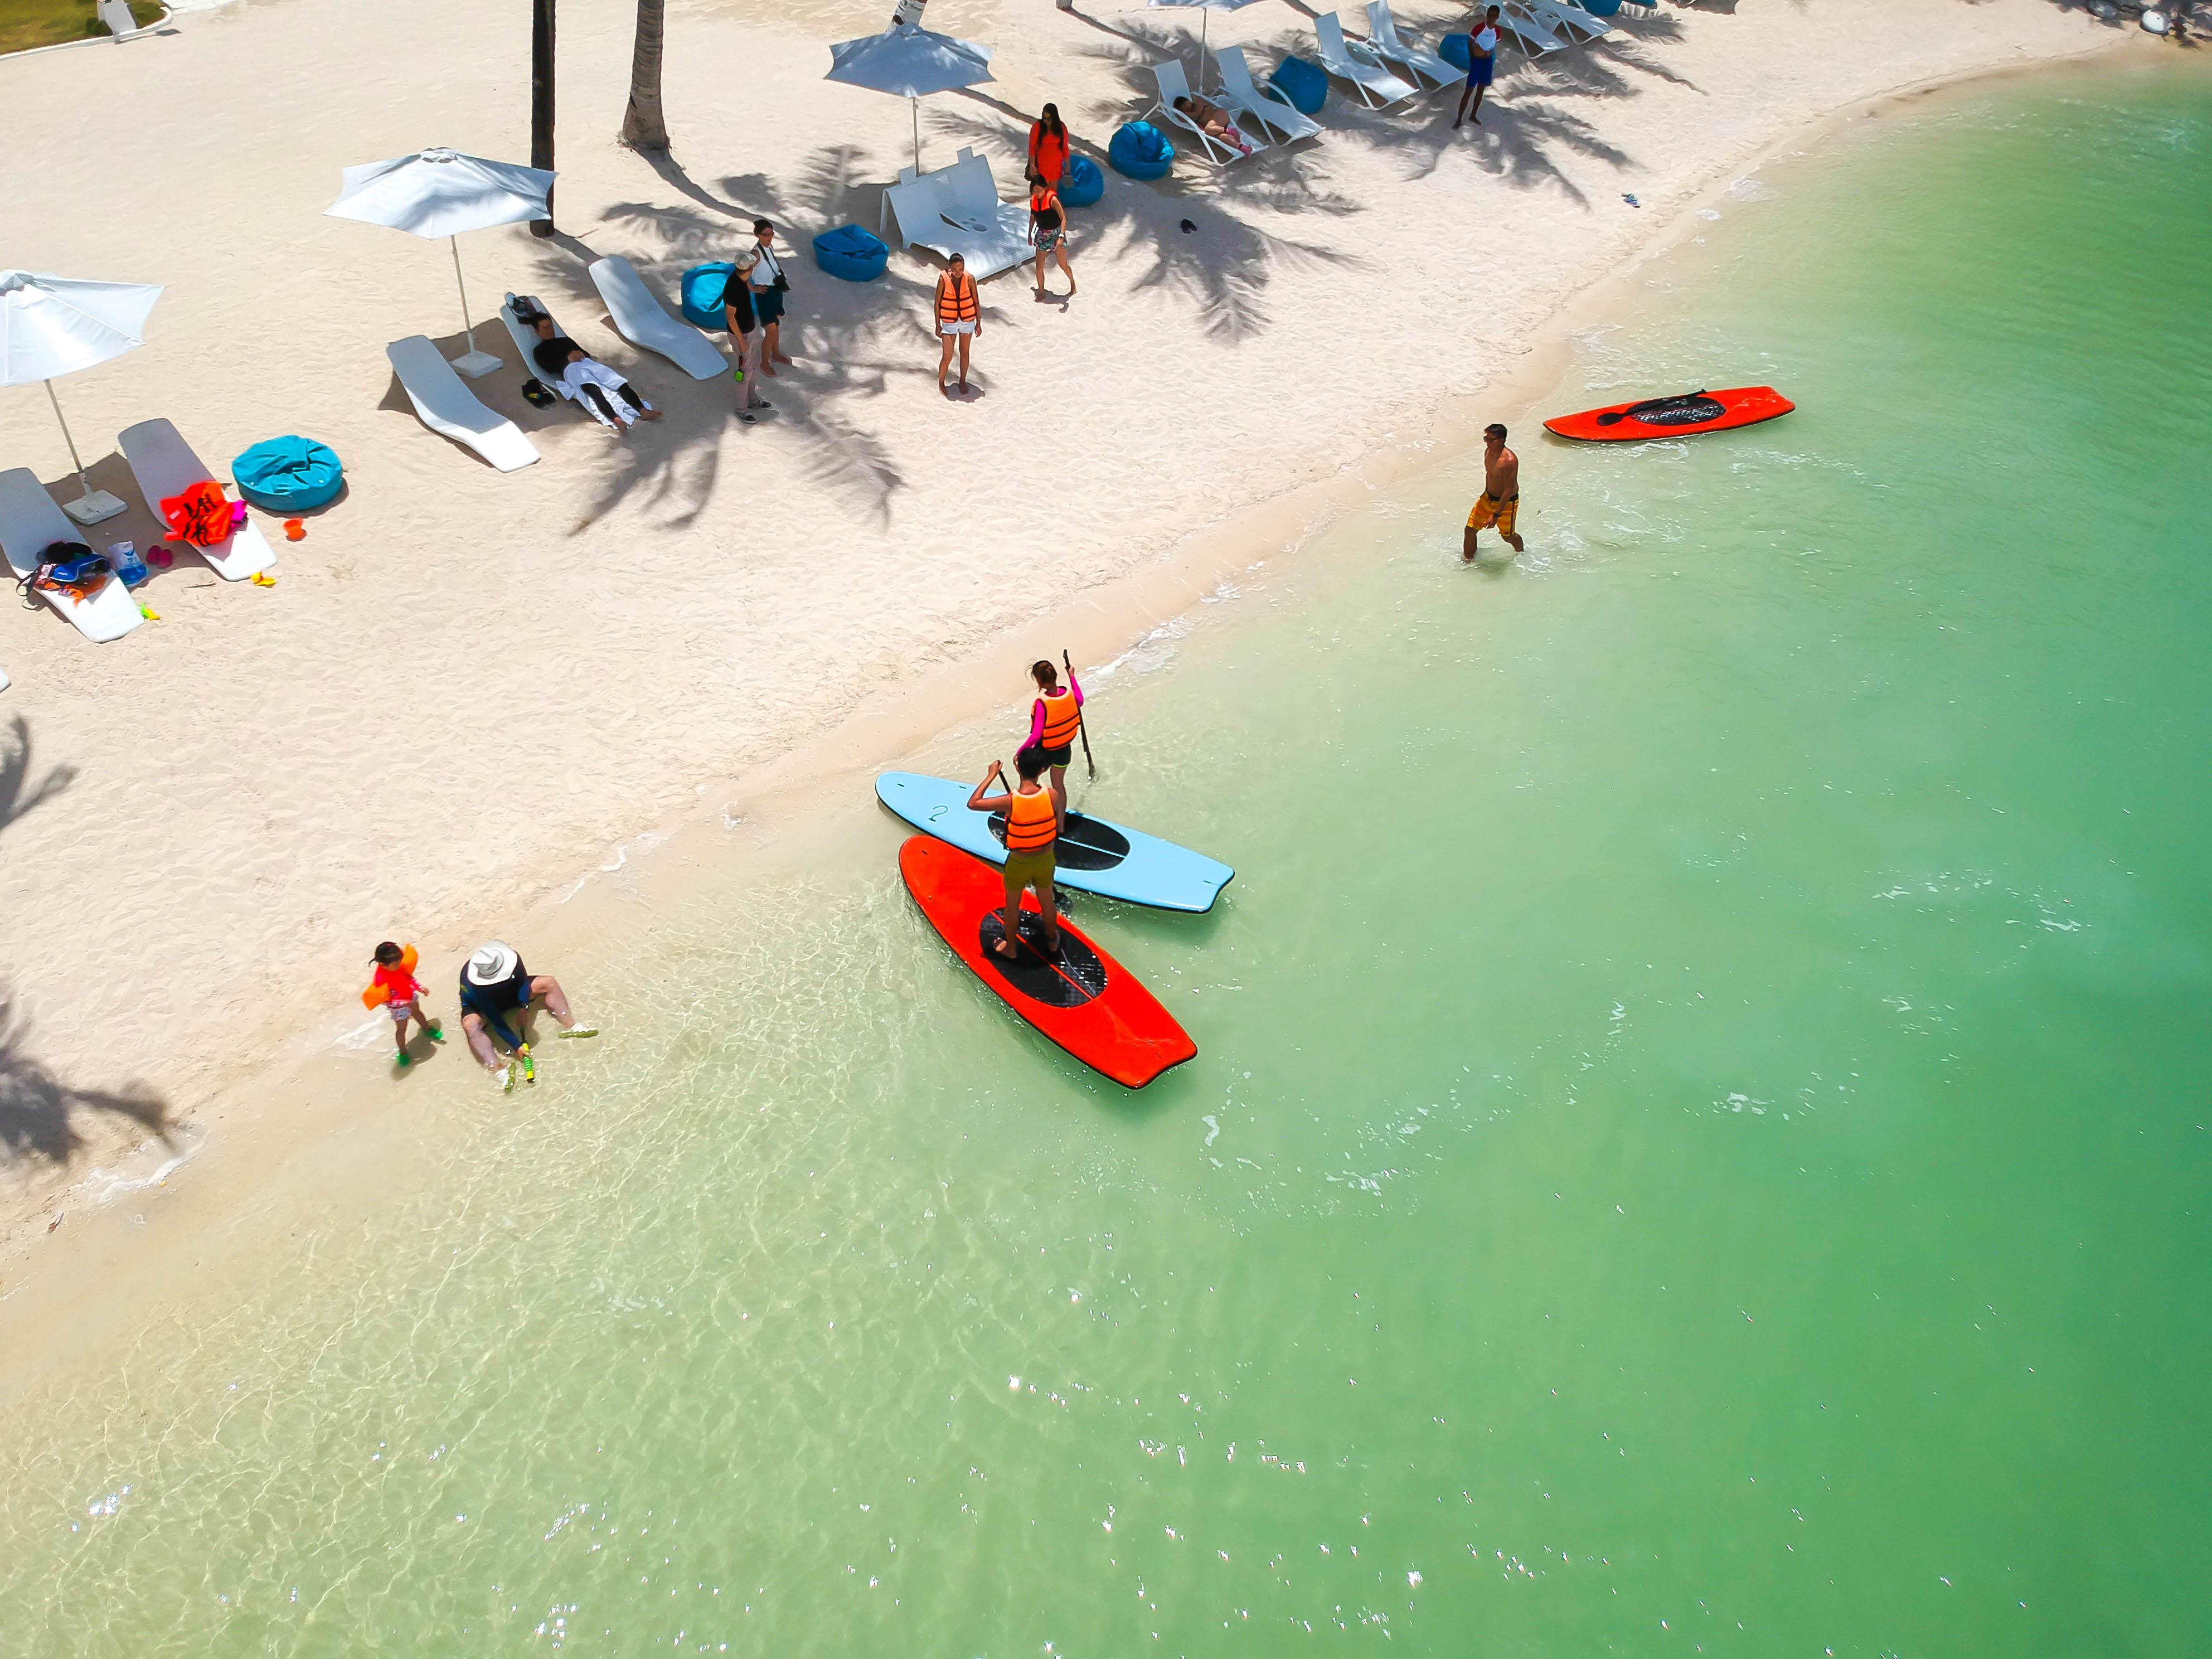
(403, 999)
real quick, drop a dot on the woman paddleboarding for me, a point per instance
(1054, 720)
(1032, 833)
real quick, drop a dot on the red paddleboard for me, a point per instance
(1673, 417)
(1086, 1002)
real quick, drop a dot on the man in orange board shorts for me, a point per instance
(1499, 505)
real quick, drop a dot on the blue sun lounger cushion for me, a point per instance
(1081, 183)
(1140, 151)
(852, 254)
(290, 474)
(1306, 85)
(1454, 49)
(701, 293)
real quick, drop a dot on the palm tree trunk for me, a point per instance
(541, 102)
(642, 125)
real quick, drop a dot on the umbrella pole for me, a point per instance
(473, 363)
(915, 104)
(94, 504)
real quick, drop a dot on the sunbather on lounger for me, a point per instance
(587, 381)
(1214, 121)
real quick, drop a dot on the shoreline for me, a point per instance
(225, 1203)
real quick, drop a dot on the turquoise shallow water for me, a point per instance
(1700, 1143)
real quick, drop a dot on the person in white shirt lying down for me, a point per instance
(613, 402)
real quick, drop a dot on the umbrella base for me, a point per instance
(95, 506)
(474, 364)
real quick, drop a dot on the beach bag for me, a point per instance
(201, 516)
(69, 568)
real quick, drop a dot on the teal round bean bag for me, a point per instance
(851, 253)
(290, 474)
(1306, 85)
(1139, 150)
(701, 293)
(1081, 183)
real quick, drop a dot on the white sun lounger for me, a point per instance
(526, 341)
(1570, 23)
(1376, 85)
(1173, 84)
(1384, 40)
(450, 409)
(1516, 21)
(956, 209)
(165, 467)
(1270, 110)
(30, 523)
(644, 321)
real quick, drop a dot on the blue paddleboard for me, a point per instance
(1094, 856)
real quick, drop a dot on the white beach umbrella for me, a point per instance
(909, 63)
(55, 325)
(442, 192)
(1206, 8)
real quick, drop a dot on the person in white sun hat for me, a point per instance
(496, 985)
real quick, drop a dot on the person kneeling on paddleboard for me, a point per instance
(1032, 832)
(494, 984)
(1055, 719)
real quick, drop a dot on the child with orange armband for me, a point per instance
(396, 987)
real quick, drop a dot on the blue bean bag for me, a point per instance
(1081, 183)
(1139, 150)
(1306, 85)
(851, 253)
(702, 292)
(288, 475)
(1454, 51)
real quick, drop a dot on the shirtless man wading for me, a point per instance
(1501, 496)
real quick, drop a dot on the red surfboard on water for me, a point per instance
(1673, 418)
(1086, 1002)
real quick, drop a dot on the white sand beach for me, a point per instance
(465, 686)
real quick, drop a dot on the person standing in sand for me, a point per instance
(959, 318)
(1048, 232)
(745, 334)
(1482, 66)
(1049, 145)
(767, 285)
(1500, 504)
(1032, 834)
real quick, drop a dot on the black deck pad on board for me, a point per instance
(1692, 408)
(1088, 844)
(1074, 979)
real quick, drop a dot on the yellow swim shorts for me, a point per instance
(1490, 513)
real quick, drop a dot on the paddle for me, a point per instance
(1090, 767)
(1652, 407)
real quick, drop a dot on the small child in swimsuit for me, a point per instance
(403, 999)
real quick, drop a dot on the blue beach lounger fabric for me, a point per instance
(1082, 183)
(700, 295)
(290, 474)
(1140, 151)
(851, 253)
(1306, 85)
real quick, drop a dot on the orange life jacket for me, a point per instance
(1062, 719)
(200, 515)
(1031, 824)
(1045, 199)
(956, 298)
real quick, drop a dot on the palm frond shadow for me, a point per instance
(39, 1113)
(18, 794)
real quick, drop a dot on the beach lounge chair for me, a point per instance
(1272, 111)
(644, 321)
(450, 409)
(1173, 84)
(1383, 38)
(956, 209)
(1375, 85)
(1518, 24)
(525, 342)
(165, 467)
(30, 523)
(1570, 22)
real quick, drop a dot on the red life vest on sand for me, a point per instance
(201, 515)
